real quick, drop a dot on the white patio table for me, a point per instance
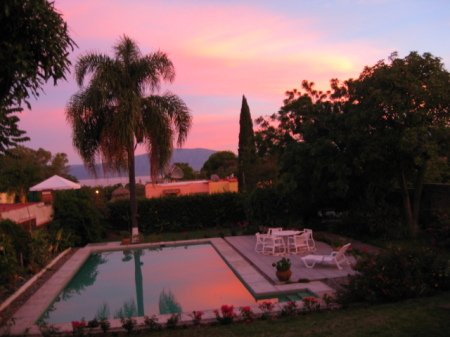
(285, 235)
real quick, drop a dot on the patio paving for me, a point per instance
(263, 263)
(255, 271)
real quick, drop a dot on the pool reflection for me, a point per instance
(169, 280)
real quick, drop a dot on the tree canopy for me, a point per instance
(364, 138)
(401, 110)
(34, 47)
(188, 171)
(222, 163)
(246, 150)
(10, 134)
(26, 167)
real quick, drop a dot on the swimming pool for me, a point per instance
(148, 281)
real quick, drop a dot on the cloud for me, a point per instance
(225, 49)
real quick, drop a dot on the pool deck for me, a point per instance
(254, 269)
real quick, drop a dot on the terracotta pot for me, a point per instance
(126, 241)
(284, 275)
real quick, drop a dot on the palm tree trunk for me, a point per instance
(138, 283)
(133, 197)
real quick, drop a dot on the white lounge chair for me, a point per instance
(335, 257)
(260, 242)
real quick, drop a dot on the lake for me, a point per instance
(111, 181)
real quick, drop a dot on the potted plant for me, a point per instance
(283, 267)
(126, 237)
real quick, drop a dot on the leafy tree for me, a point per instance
(247, 150)
(26, 167)
(306, 137)
(34, 47)
(80, 213)
(10, 135)
(188, 171)
(401, 111)
(364, 138)
(112, 114)
(222, 163)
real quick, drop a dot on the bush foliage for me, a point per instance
(179, 213)
(81, 213)
(397, 275)
(22, 252)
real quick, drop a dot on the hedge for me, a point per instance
(180, 213)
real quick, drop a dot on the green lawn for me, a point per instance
(417, 317)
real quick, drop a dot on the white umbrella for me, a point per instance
(55, 183)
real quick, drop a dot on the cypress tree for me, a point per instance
(247, 150)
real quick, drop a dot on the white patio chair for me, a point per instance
(274, 246)
(260, 242)
(274, 229)
(298, 244)
(310, 240)
(335, 257)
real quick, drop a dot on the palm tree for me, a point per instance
(120, 109)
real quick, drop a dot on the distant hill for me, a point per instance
(194, 157)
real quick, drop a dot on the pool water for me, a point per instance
(149, 281)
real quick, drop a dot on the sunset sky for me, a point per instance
(223, 49)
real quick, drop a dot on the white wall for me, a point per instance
(42, 212)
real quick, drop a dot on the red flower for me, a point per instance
(76, 324)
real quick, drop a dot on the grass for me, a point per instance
(417, 317)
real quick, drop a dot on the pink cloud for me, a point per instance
(221, 51)
(232, 45)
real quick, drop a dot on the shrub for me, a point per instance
(228, 314)
(179, 213)
(19, 238)
(247, 314)
(81, 213)
(265, 207)
(41, 251)
(439, 229)
(289, 309)
(372, 219)
(329, 300)
(105, 325)
(152, 323)
(49, 330)
(310, 304)
(93, 323)
(396, 275)
(267, 308)
(196, 317)
(172, 321)
(9, 266)
(128, 324)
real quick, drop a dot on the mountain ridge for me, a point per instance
(194, 157)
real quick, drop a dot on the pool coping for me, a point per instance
(255, 281)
